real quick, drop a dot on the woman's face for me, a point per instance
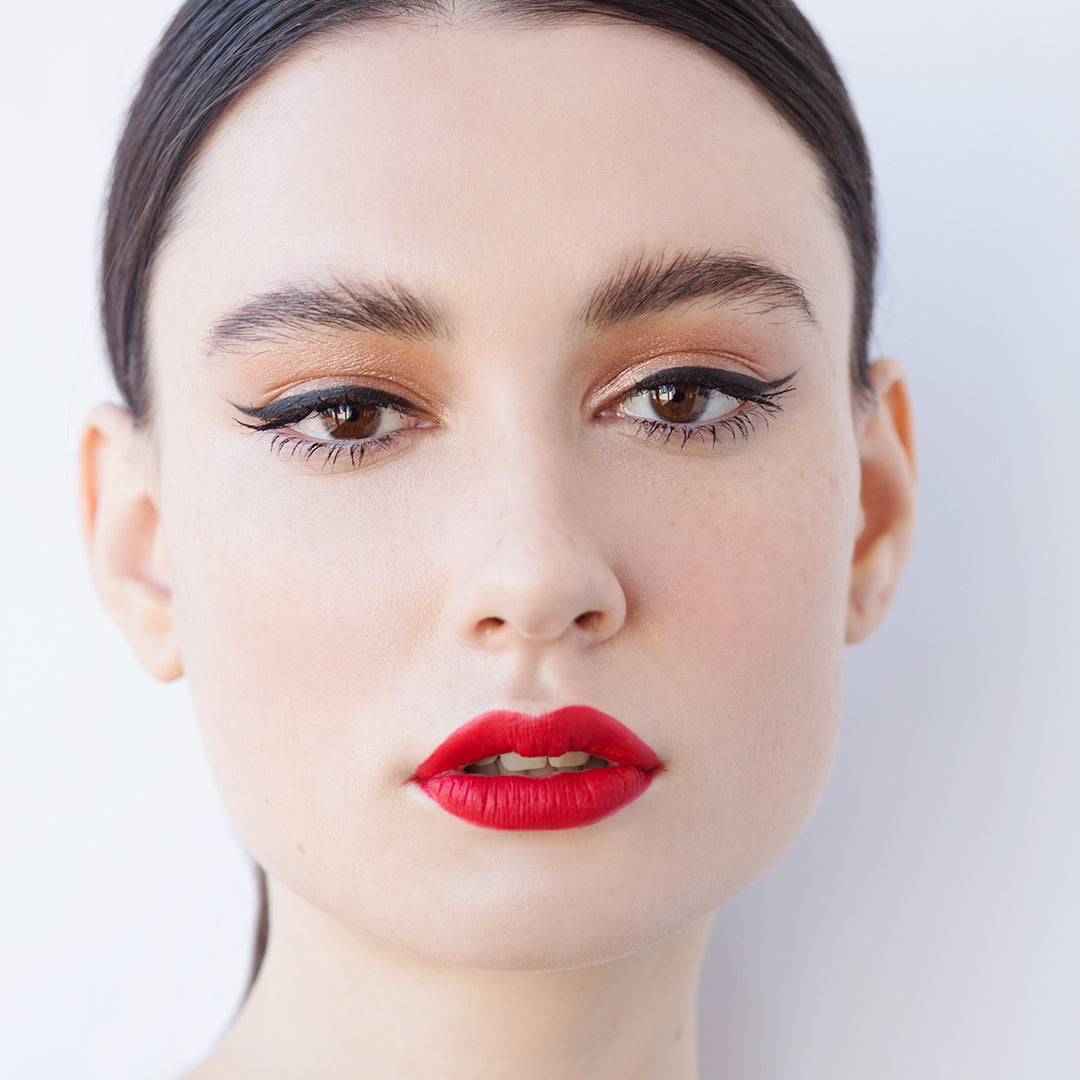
(526, 534)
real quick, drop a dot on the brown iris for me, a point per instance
(679, 403)
(351, 421)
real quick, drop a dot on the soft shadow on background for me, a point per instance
(925, 924)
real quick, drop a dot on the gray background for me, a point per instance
(925, 924)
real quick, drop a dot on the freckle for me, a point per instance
(301, 848)
(678, 1033)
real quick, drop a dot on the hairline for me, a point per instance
(439, 15)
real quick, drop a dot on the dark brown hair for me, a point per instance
(215, 49)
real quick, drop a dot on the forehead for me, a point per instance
(506, 167)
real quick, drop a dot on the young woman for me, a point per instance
(502, 463)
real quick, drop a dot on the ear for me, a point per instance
(886, 500)
(122, 532)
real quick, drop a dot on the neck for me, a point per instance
(331, 1003)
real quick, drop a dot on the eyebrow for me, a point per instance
(300, 309)
(652, 285)
(649, 285)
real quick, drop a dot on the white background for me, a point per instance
(925, 926)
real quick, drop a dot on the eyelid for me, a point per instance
(736, 384)
(759, 395)
(713, 379)
(293, 408)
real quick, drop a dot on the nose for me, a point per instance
(533, 564)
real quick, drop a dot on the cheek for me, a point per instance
(310, 612)
(750, 592)
(298, 603)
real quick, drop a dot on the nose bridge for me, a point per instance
(535, 563)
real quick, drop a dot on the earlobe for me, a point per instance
(886, 500)
(122, 533)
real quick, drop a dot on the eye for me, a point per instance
(345, 420)
(701, 404)
(337, 413)
(680, 403)
(340, 425)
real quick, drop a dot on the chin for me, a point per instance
(551, 922)
(561, 941)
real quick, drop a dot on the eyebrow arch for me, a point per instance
(296, 310)
(648, 285)
(651, 285)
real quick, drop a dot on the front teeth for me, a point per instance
(517, 763)
(511, 763)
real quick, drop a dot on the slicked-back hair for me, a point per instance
(213, 50)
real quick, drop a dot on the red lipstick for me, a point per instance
(563, 800)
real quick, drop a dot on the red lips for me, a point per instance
(559, 801)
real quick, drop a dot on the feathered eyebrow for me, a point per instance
(651, 285)
(645, 286)
(301, 310)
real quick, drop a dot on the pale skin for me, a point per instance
(520, 545)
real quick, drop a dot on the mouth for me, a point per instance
(511, 764)
(564, 769)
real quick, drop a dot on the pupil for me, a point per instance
(678, 404)
(351, 421)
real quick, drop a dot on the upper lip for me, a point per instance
(576, 727)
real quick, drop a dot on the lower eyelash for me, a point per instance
(292, 446)
(742, 424)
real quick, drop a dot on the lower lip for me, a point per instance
(557, 801)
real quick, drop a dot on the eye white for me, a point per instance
(717, 406)
(320, 427)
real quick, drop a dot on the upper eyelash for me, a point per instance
(760, 394)
(291, 410)
(744, 387)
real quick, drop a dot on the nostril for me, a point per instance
(588, 620)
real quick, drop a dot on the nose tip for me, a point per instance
(538, 588)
